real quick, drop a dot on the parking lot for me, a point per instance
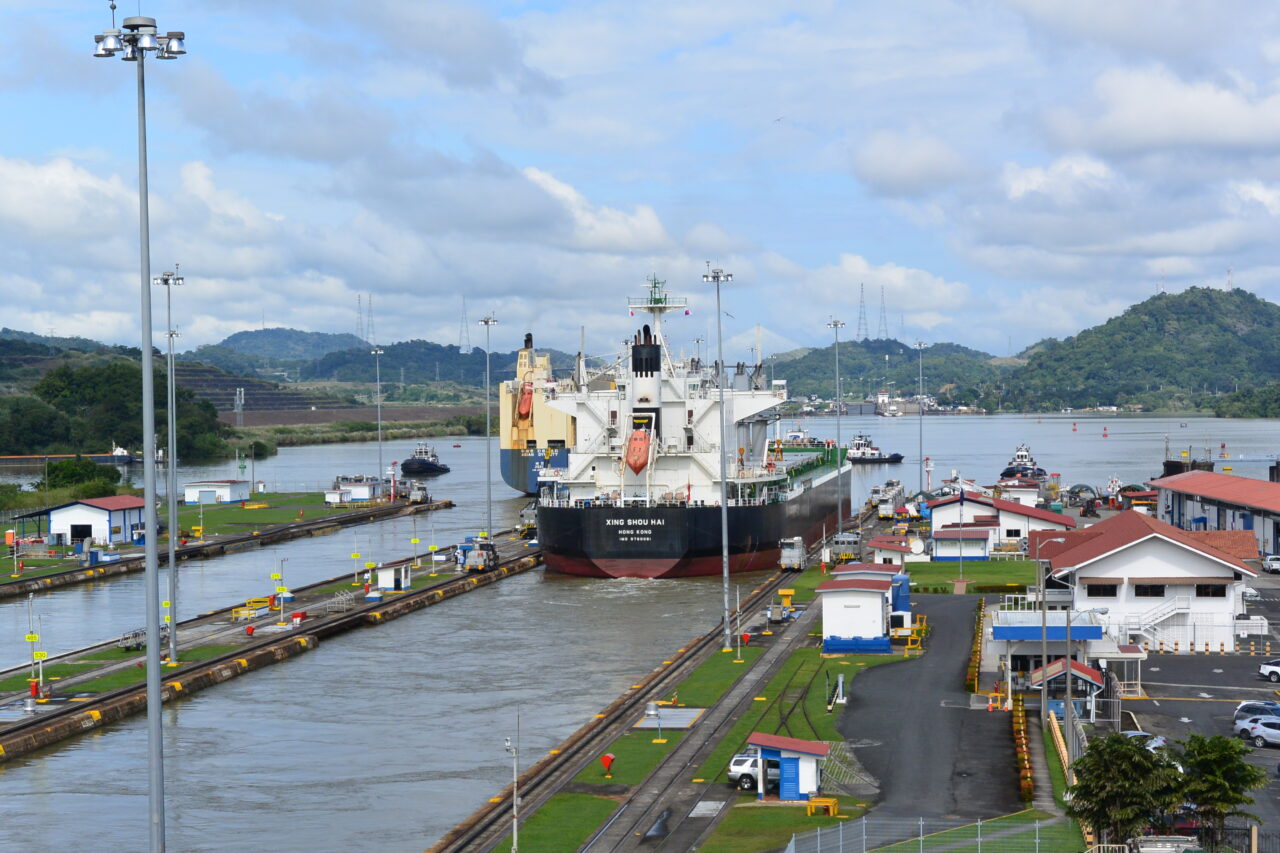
(1199, 693)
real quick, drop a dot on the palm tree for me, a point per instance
(1218, 779)
(1117, 789)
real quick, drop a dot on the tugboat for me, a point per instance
(862, 450)
(423, 463)
(1023, 465)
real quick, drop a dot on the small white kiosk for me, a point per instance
(799, 770)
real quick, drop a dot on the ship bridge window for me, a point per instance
(688, 442)
(613, 417)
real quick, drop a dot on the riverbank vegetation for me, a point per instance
(341, 432)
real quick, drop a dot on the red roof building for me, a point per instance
(1209, 501)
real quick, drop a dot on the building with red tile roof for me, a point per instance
(1207, 500)
(1158, 583)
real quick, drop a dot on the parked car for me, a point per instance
(1248, 593)
(1264, 732)
(1164, 844)
(1271, 564)
(1270, 670)
(1243, 728)
(1152, 742)
(744, 771)
(1257, 708)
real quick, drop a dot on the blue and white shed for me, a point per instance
(799, 764)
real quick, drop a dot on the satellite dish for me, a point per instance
(917, 547)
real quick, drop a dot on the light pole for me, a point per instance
(1044, 630)
(376, 352)
(488, 322)
(836, 325)
(717, 276)
(920, 410)
(514, 749)
(1068, 711)
(170, 280)
(137, 39)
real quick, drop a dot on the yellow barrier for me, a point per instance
(829, 806)
(257, 602)
(257, 506)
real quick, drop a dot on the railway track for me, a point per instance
(489, 825)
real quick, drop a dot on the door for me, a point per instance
(208, 496)
(789, 781)
(81, 532)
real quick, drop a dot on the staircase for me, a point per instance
(841, 770)
(1147, 624)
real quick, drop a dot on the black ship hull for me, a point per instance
(676, 541)
(891, 459)
(422, 468)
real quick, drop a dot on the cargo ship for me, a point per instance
(639, 495)
(531, 435)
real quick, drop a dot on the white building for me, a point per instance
(974, 543)
(99, 520)
(1013, 522)
(855, 607)
(359, 487)
(1161, 586)
(889, 550)
(1205, 500)
(215, 491)
(1019, 490)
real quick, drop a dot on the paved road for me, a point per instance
(1199, 693)
(912, 728)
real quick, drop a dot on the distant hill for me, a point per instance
(1173, 351)
(60, 343)
(292, 344)
(952, 373)
(422, 361)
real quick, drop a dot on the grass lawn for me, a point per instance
(30, 571)
(785, 697)
(563, 823)
(713, 677)
(750, 828)
(281, 508)
(983, 572)
(53, 670)
(138, 674)
(634, 755)
(113, 655)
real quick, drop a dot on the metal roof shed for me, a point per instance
(800, 774)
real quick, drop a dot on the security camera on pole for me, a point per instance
(138, 38)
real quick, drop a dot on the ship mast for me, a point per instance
(657, 303)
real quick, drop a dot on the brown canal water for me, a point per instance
(385, 738)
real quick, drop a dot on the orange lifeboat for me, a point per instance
(638, 450)
(525, 406)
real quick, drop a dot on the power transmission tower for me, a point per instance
(464, 331)
(360, 316)
(862, 312)
(883, 332)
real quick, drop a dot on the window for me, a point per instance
(1101, 590)
(1012, 533)
(1148, 590)
(1211, 590)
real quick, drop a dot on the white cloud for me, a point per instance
(1136, 110)
(907, 164)
(1062, 181)
(599, 228)
(1259, 193)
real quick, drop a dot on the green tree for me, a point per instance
(72, 472)
(1218, 779)
(1118, 787)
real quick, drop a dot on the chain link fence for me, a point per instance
(1025, 832)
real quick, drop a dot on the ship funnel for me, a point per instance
(528, 340)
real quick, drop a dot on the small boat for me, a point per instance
(1023, 465)
(457, 445)
(862, 450)
(423, 463)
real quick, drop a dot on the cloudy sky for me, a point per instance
(1002, 170)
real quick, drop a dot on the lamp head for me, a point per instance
(148, 41)
(130, 53)
(111, 40)
(102, 51)
(175, 44)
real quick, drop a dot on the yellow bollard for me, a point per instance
(1175, 647)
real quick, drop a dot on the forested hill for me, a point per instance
(290, 343)
(1171, 351)
(422, 361)
(952, 373)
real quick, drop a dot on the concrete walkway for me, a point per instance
(1040, 767)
